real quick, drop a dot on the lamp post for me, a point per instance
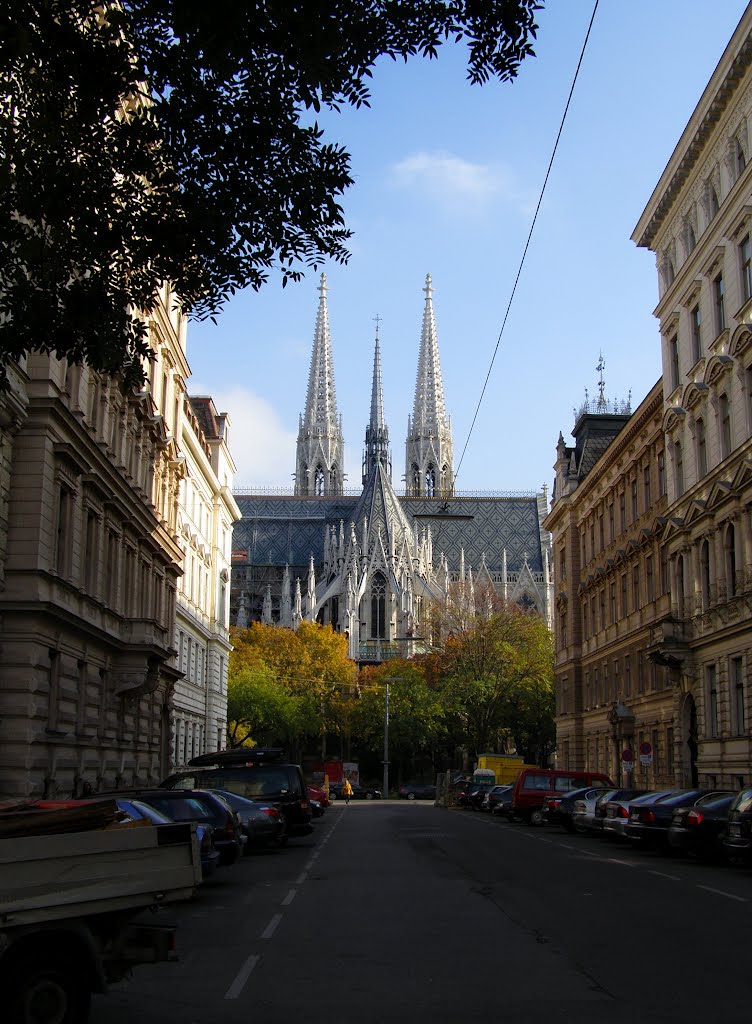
(385, 783)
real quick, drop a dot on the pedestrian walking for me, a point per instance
(346, 790)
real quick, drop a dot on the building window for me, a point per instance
(593, 618)
(705, 575)
(664, 569)
(678, 468)
(603, 607)
(673, 361)
(696, 324)
(635, 588)
(711, 696)
(585, 619)
(649, 581)
(635, 512)
(318, 481)
(378, 607)
(612, 602)
(729, 548)
(64, 538)
(646, 485)
(622, 512)
(680, 588)
(640, 674)
(724, 422)
(720, 304)
(624, 592)
(661, 475)
(736, 683)
(702, 448)
(745, 257)
(627, 675)
(601, 536)
(611, 533)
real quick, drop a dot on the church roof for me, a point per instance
(429, 412)
(280, 530)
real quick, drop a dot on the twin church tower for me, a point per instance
(429, 462)
(369, 562)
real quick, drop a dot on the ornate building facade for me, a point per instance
(90, 563)
(369, 562)
(611, 582)
(699, 225)
(654, 625)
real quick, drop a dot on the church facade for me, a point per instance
(369, 563)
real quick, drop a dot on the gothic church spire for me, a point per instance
(429, 459)
(319, 464)
(377, 432)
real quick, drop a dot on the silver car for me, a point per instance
(617, 811)
(583, 812)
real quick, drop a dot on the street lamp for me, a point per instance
(385, 784)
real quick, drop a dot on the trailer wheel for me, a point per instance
(51, 991)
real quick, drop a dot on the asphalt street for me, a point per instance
(397, 912)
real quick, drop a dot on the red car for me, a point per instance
(317, 793)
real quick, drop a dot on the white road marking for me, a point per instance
(289, 898)
(565, 847)
(301, 878)
(271, 927)
(662, 874)
(624, 863)
(720, 892)
(242, 977)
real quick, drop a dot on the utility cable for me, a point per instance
(527, 243)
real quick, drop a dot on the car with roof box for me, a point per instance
(257, 773)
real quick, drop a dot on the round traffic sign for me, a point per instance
(646, 748)
(627, 755)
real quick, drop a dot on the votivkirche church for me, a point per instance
(368, 563)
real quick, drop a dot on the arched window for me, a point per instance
(416, 479)
(430, 481)
(333, 478)
(705, 574)
(378, 607)
(729, 548)
(318, 481)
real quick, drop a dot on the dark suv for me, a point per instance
(258, 773)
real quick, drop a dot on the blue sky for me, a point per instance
(446, 180)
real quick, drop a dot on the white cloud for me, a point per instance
(455, 182)
(263, 450)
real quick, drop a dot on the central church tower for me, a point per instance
(429, 460)
(319, 463)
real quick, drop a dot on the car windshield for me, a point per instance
(136, 809)
(187, 808)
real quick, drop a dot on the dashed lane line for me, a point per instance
(720, 892)
(271, 927)
(289, 897)
(242, 977)
(662, 874)
(301, 878)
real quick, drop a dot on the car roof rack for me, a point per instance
(240, 756)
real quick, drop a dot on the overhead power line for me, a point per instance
(527, 243)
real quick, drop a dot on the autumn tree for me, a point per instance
(147, 141)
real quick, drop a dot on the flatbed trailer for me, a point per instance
(74, 913)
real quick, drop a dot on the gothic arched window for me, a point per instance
(416, 479)
(333, 477)
(378, 607)
(318, 481)
(430, 481)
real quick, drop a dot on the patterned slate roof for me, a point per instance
(288, 530)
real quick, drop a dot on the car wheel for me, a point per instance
(536, 818)
(411, 796)
(52, 991)
(369, 796)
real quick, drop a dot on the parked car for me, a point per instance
(198, 805)
(258, 773)
(417, 791)
(617, 812)
(737, 844)
(358, 792)
(649, 821)
(317, 793)
(533, 785)
(262, 824)
(502, 802)
(559, 809)
(496, 796)
(136, 810)
(700, 830)
(599, 805)
(472, 794)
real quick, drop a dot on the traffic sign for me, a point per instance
(627, 755)
(646, 754)
(646, 748)
(627, 766)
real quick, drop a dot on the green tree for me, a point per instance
(260, 710)
(147, 141)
